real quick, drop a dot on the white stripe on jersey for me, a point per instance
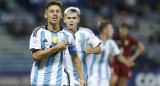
(50, 70)
(83, 37)
(99, 65)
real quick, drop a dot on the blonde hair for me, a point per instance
(72, 10)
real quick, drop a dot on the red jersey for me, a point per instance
(125, 45)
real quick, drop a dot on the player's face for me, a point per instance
(72, 21)
(123, 31)
(53, 14)
(108, 30)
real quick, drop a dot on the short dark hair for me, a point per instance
(103, 24)
(124, 25)
(53, 2)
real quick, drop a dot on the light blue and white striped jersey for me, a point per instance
(83, 37)
(50, 70)
(99, 64)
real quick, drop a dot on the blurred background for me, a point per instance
(19, 17)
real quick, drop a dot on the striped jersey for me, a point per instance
(99, 64)
(83, 37)
(50, 70)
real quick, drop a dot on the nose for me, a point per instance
(54, 13)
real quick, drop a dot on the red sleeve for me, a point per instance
(134, 41)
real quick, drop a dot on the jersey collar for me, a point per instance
(46, 27)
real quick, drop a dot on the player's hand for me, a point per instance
(88, 49)
(130, 63)
(131, 59)
(82, 83)
(62, 45)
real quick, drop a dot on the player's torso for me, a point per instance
(125, 46)
(50, 69)
(99, 66)
(81, 42)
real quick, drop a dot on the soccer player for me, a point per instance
(48, 44)
(99, 71)
(85, 41)
(125, 42)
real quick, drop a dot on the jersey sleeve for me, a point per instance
(35, 41)
(115, 49)
(93, 40)
(134, 41)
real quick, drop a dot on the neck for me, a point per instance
(53, 27)
(122, 37)
(75, 29)
(103, 37)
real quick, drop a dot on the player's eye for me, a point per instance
(58, 11)
(68, 17)
(74, 18)
(51, 11)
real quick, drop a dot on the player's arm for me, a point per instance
(123, 60)
(93, 46)
(138, 52)
(90, 50)
(39, 54)
(78, 67)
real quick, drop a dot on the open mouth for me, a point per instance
(71, 24)
(55, 18)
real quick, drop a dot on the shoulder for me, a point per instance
(110, 40)
(86, 30)
(37, 29)
(68, 32)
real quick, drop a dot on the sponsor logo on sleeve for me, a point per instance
(34, 43)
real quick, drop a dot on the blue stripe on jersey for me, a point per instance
(49, 64)
(34, 82)
(100, 62)
(107, 71)
(42, 39)
(82, 35)
(91, 68)
(59, 72)
(66, 36)
(107, 63)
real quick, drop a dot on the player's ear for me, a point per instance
(45, 15)
(61, 16)
(79, 19)
(64, 19)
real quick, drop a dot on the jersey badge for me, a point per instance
(54, 39)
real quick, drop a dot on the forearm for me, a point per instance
(78, 66)
(139, 51)
(37, 55)
(96, 50)
(122, 59)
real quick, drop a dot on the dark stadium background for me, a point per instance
(19, 17)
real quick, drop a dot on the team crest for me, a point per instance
(80, 41)
(103, 47)
(54, 39)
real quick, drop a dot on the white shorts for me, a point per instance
(95, 81)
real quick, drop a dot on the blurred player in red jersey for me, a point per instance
(125, 42)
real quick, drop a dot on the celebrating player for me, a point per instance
(99, 71)
(48, 44)
(125, 43)
(83, 38)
